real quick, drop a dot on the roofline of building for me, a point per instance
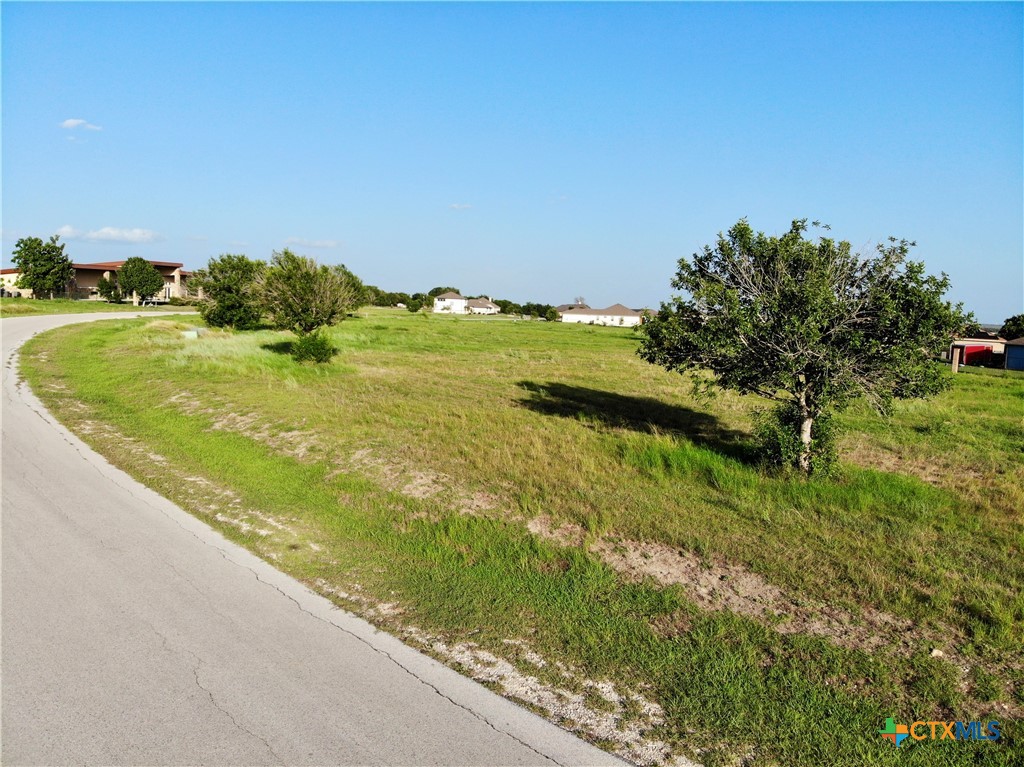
(609, 312)
(116, 264)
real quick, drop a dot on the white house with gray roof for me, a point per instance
(451, 303)
(616, 315)
(482, 306)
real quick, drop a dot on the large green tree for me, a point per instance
(139, 276)
(44, 267)
(1013, 327)
(301, 295)
(228, 295)
(808, 324)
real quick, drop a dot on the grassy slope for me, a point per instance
(21, 307)
(565, 421)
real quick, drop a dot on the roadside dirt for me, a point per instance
(595, 709)
(719, 585)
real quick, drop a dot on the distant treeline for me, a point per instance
(416, 301)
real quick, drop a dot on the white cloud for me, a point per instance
(76, 122)
(109, 234)
(460, 206)
(113, 234)
(303, 243)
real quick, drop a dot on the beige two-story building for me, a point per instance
(87, 276)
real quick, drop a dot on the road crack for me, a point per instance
(397, 663)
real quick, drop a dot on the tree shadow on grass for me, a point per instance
(279, 347)
(643, 414)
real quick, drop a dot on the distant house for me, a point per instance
(978, 349)
(616, 315)
(86, 276)
(1015, 354)
(482, 306)
(451, 303)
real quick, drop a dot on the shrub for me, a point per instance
(414, 306)
(109, 290)
(227, 287)
(313, 347)
(777, 432)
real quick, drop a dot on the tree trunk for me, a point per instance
(805, 440)
(806, 422)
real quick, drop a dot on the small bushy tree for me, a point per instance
(43, 267)
(300, 295)
(139, 276)
(808, 324)
(109, 289)
(229, 298)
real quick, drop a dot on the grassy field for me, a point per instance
(532, 504)
(21, 307)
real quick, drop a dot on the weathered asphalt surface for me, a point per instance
(134, 634)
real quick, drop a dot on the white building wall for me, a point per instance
(8, 281)
(451, 306)
(601, 319)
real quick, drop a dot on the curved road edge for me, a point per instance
(110, 655)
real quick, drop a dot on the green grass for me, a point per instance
(20, 307)
(370, 460)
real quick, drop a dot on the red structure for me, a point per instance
(977, 355)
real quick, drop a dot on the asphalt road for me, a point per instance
(134, 634)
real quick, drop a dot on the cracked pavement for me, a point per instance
(134, 634)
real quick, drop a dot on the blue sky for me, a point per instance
(526, 151)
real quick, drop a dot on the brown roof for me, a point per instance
(109, 265)
(1016, 342)
(449, 294)
(482, 303)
